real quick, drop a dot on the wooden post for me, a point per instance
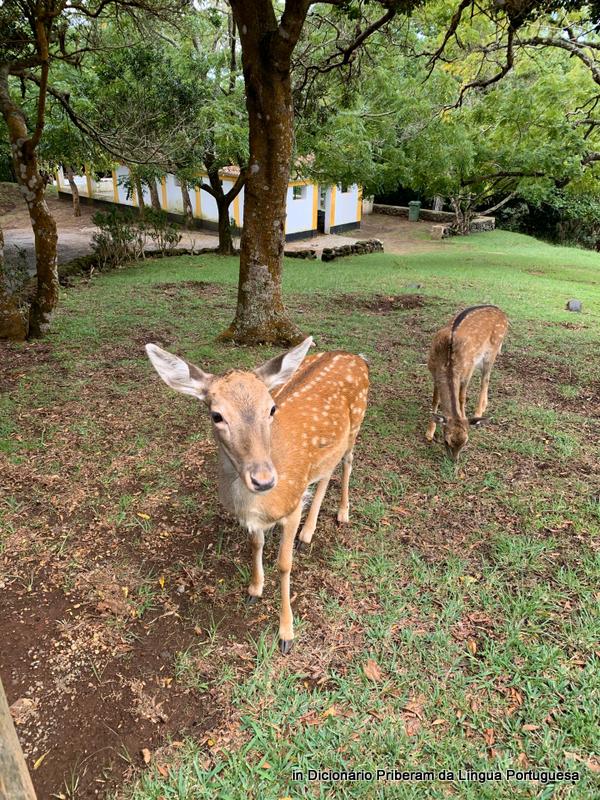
(15, 783)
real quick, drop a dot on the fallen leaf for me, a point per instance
(163, 770)
(412, 725)
(161, 581)
(38, 763)
(472, 646)
(146, 755)
(372, 670)
(265, 765)
(439, 722)
(22, 709)
(330, 712)
(143, 516)
(489, 736)
(400, 510)
(530, 728)
(593, 764)
(522, 760)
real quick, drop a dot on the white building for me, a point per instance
(311, 208)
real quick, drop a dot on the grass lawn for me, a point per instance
(453, 625)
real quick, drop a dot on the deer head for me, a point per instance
(240, 405)
(456, 432)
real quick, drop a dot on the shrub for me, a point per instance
(119, 240)
(163, 233)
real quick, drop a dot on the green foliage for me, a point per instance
(119, 240)
(123, 237)
(164, 234)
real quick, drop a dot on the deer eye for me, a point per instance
(216, 417)
(273, 410)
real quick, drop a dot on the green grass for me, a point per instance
(475, 590)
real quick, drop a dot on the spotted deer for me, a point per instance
(471, 341)
(279, 428)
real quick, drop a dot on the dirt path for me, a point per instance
(75, 233)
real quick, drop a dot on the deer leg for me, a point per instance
(310, 523)
(286, 551)
(255, 589)
(483, 394)
(435, 404)
(343, 514)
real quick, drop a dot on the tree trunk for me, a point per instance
(139, 190)
(14, 322)
(45, 298)
(463, 214)
(223, 202)
(260, 314)
(225, 238)
(15, 783)
(74, 191)
(188, 211)
(154, 198)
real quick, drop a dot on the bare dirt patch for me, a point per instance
(381, 303)
(16, 360)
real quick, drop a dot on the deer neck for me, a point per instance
(448, 387)
(236, 497)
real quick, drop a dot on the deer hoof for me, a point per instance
(300, 545)
(285, 645)
(251, 599)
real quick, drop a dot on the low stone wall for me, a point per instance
(441, 217)
(424, 213)
(483, 224)
(307, 254)
(356, 249)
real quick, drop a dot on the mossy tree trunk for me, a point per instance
(154, 198)
(139, 190)
(188, 211)
(23, 146)
(266, 53)
(14, 318)
(70, 175)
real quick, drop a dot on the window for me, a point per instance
(343, 187)
(298, 192)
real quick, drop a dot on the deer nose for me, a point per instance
(261, 484)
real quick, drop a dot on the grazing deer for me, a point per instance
(472, 340)
(279, 428)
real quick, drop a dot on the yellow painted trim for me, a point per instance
(236, 210)
(332, 207)
(115, 187)
(198, 204)
(88, 181)
(299, 183)
(163, 184)
(315, 214)
(58, 186)
(359, 205)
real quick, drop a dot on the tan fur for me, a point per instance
(267, 461)
(319, 414)
(453, 357)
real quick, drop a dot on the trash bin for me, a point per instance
(413, 210)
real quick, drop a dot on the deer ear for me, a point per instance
(178, 374)
(478, 422)
(280, 369)
(439, 418)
